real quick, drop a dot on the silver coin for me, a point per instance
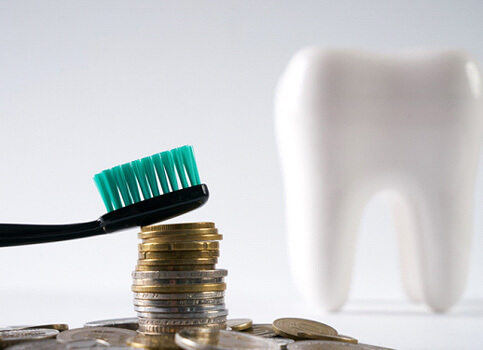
(85, 344)
(331, 345)
(181, 322)
(213, 339)
(283, 342)
(179, 274)
(263, 330)
(178, 296)
(16, 336)
(111, 335)
(175, 282)
(47, 344)
(177, 303)
(204, 314)
(9, 328)
(182, 309)
(126, 323)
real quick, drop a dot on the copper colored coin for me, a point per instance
(180, 237)
(179, 254)
(291, 327)
(181, 226)
(175, 246)
(199, 261)
(201, 267)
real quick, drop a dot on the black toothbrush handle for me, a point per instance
(20, 234)
(143, 213)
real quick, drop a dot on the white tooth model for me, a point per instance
(351, 124)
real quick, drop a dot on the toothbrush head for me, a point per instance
(147, 177)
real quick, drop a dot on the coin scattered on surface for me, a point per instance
(239, 324)
(16, 336)
(9, 328)
(215, 339)
(47, 344)
(283, 342)
(262, 330)
(112, 336)
(59, 326)
(291, 327)
(338, 337)
(126, 323)
(329, 345)
(266, 331)
(163, 338)
(153, 342)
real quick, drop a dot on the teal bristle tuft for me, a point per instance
(148, 177)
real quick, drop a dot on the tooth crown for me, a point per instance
(352, 123)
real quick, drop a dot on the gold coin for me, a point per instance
(239, 324)
(148, 329)
(182, 226)
(204, 231)
(153, 342)
(59, 326)
(180, 254)
(153, 238)
(175, 267)
(338, 337)
(201, 231)
(193, 261)
(290, 327)
(186, 288)
(175, 246)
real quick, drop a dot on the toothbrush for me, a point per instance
(139, 193)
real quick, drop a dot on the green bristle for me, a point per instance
(158, 164)
(112, 189)
(178, 161)
(168, 162)
(190, 165)
(122, 185)
(150, 176)
(101, 186)
(141, 177)
(131, 182)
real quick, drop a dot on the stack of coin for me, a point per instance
(176, 284)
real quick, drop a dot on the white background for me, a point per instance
(86, 85)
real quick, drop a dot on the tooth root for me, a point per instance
(444, 247)
(322, 247)
(405, 221)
